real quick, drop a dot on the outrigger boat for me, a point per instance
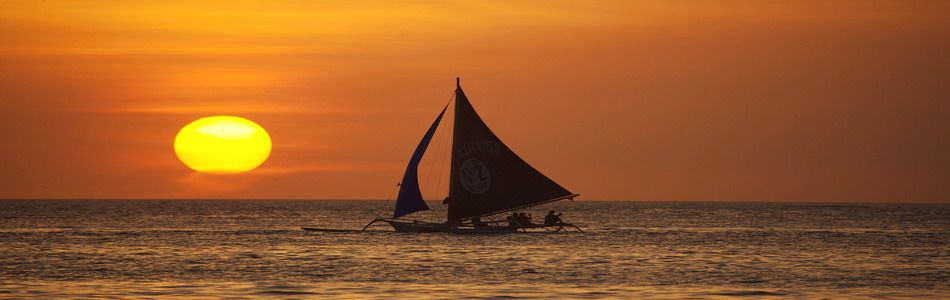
(486, 179)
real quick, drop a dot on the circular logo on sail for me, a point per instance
(474, 176)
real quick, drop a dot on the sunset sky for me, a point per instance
(616, 100)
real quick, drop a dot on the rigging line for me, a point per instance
(425, 186)
(441, 163)
(388, 199)
(393, 191)
(438, 153)
(445, 139)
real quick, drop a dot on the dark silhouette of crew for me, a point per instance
(513, 220)
(524, 220)
(553, 219)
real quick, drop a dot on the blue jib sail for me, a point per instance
(410, 197)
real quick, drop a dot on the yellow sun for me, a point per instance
(222, 145)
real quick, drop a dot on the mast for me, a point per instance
(452, 165)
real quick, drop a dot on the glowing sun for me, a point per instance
(222, 145)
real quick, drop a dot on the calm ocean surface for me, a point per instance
(255, 249)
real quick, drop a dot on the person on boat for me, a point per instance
(553, 219)
(513, 220)
(523, 220)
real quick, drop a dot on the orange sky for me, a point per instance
(651, 100)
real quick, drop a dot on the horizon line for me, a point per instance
(435, 200)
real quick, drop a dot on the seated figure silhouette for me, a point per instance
(523, 220)
(513, 220)
(553, 219)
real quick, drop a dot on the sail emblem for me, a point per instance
(474, 176)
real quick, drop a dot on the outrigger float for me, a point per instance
(486, 179)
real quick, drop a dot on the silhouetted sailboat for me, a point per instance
(486, 179)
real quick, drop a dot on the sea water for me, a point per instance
(255, 249)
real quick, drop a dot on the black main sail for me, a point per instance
(486, 176)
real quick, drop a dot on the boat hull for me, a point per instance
(416, 226)
(419, 227)
(400, 226)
